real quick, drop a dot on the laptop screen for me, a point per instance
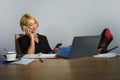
(83, 46)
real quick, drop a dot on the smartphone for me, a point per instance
(24, 28)
(58, 45)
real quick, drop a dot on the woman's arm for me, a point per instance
(26, 45)
(31, 48)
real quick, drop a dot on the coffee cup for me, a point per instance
(10, 55)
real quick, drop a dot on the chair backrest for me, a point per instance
(17, 47)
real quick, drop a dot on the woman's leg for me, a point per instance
(64, 51)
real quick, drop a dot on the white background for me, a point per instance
(60, 20)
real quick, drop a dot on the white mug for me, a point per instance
(10, 56)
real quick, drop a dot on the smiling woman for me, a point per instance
(32, 42)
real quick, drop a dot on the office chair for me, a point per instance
(17, 47)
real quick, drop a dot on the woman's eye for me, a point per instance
(31, 25)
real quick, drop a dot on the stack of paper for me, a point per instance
(28, 58)
(106, 55)
(40, 55)
(47, 55)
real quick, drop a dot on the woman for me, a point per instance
(32, 42)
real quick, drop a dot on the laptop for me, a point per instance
(83, 46)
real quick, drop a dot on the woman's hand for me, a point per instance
(57, 47)
(29, 33)
(31, 48)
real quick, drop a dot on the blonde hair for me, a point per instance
(25, 18)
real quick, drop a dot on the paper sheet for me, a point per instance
(24, 61)
(40, 55)
(30, 56)
(106, 55)
(47, 55)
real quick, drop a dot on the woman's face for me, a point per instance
(32, 25)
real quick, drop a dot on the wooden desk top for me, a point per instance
(87, 68)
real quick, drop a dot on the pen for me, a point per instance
(40, 60)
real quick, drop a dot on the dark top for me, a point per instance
(41, 46)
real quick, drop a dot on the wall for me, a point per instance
(60, 20)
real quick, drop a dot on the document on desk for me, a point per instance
(24, 61)
(28, 58)
(105, 55)
(39, 55)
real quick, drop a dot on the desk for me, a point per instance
(87, 68)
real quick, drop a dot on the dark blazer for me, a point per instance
(41, 46)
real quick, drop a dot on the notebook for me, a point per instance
(83, 46)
